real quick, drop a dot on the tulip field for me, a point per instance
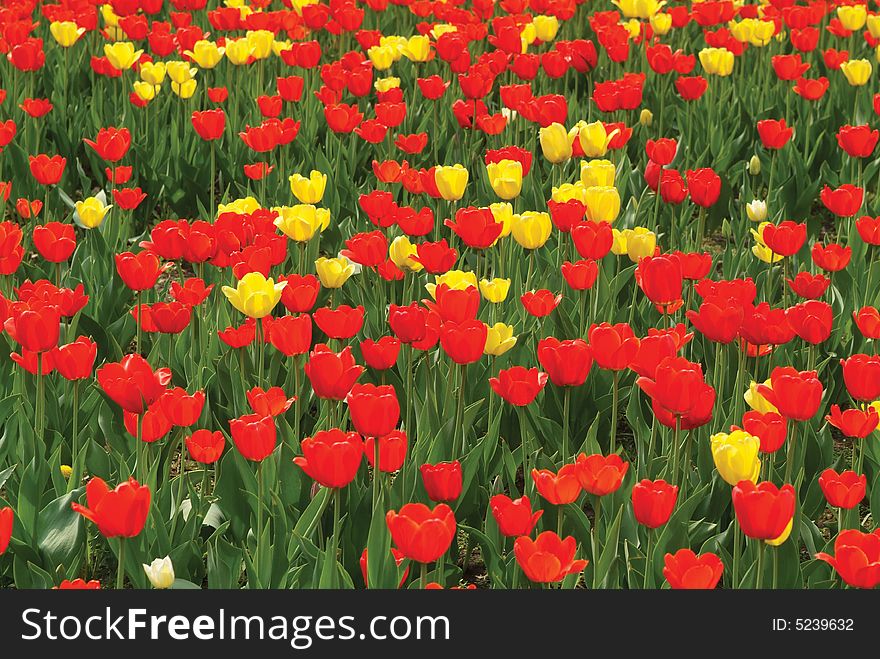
(415, 294)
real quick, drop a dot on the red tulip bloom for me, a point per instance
(269, 402)
(432, 87)
(811, 320)
(774, 134)
(239, 337)
(366, 249)
(476, 227)
(456, 305)
(205, 446)
(181, 408)
(518, 385)
(613, 346)
(118, 513)
(55, 241)
(867, 319)
(79, 584)
(75, 361)
(809, 286)
(861, 375)
(718, 319)
(437, 258)
(869, 229)
(152, 425)
(398, 560)
(301, 292)
(332, 374)
(660, 279)
(694, 265)
(34, 326)
(407, 322)
(844, 490)
(789, 67)
(289, 335)
(548, 558)
(844, 201)
(600, 475)
(662, 150)
(421, 534)
(392, 451)
(540, 303)
(854, 422)
(514, 517)
(785, 238)
(831, 258)
(592, 239)
(769, 427)
(704, 186)
(856, 558)
(653, 349)
(463, 342)
(374, 410)
(46, 170)
(685, 570)
(567, 363)
(653, 502)
(132, 384)
(442, 481)
(691, 88)
(857, 141)
(7, 517)
(331, 457)
(140, 271)
(209, 124)
(111, 144)
(254, 436)
(580, 275)
(560, 488)
(677, 385)
(382, 354)
(811, 89)
(342, 118)
(566, 215)
(763, 510)
(795, 394)
(343, 322)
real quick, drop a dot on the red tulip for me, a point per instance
(456, 305)
(785, 238)
(661, 151)
(75, 361)
(6, 519)
(421, 534)
(660, 278)
(857, 141)
(831, 258)
(763, 510)
(867, 319)
(560, 488)
(861, 375)
(111, 144)
(118, 513)
(55, 241)
(567, 363)
(398, 557)
(254, 436)
(209, 124)
(514, 517)
(46, 170)
(382, 354)
(844, 201)
(685, 570)
(653, 502)
(677, 385)
(392, 451)
(811, 320)
(374, 410)
(35, 326)
(547, 559)
(289, 335)
(140, 271)
(331, 374)
(366, 249)
(540, 303)
(331, 457)
(796, 395)
(442, 481)
(869, 229)
(152, 425)
(269, 402)
(518, 385)
(771, 428)
(856, 558)
(301, 292)
(476, 227)
(592, 239)
(343, 322)
(704, 186)
(809, 286)
(181, 408)
(854, 422)
(613, 346)
(205, 446)
(844, 490)
(580, 275)
(653, 349)
(774, 134)
(463, 342)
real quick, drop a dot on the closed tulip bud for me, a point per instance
(555, 143)
(160, 573)
(122, 55)
(255, 296)
(333, 273)
(91, 212)
(417, 48)
(646, 117)
(756, 210)
(308, 190)
(736, 456)
(640, 242)
(301, 222)
(603, 204)
(717, 61)
(451, 181)
(153, 72)
(184, 90)
(597, 173)
(401, 252)
(857, 71)
(66, 33)
(506, 178)
(499, 339)
(205, 53)
(495, 290)
(66, 471)
(532, 229)
(754, 166)
(661, 24)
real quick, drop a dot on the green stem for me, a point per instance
(648, 549)
(759, 565)
(614, 402)
(737, 551)
(789, 458)
(120, 568)
(566, 404)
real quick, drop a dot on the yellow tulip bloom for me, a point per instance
(594, 138)
(499, 339)
(503, 212)
(180, 71)
(640, 242)
(243, 206)
(852, 17)
(308, 190)
(857, 71)
(260, 42)
(756, 401)
(495, 290)
(238, 51)
(644, 9)
(506, 178)
(91, 212)
(546, 27)
(417, 49)
(206, 54)
(455, 279)
(569, 191)
(122, 55)
(451, 181)
(873, 22)
(532, 229)
(717, 61)
(255, 296)
(382, 57)
(736, 456)
(153, 72)
(618, 242)
(333, 273)
(597, 173)
(555, 143)
(109, 16)
(401, 252)
(383, 85)
(661, 24)
(184, 90)
(301, 222)
(145, 91)
(646, 117)
(603, 203)
(66, 33)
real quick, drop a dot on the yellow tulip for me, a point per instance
(603, 203)
(852, 17)
(455, 279)
(756, 401)
(383, 85)
(661, 24)
(184, 90)
(238, 51)
(555, 143)
(66, 33)
(640, 242)
(762, 33)
(717, 61)
(382, 57)
(122, 55)
(145, 91)
(279, 47)
(260, 42)
(333, 273)
(632, 27)
(255, 296)
(417, 49)
(153, 72)
(401, 252)
(91, 212)
(873, 22)
(308, 190)
(243, 206)
(499, 339)
(646, 117)
(506, 178)
(758, 234)
(442, 28)
(495, 290)
(396, 43)
(528, 36)
(109, 16)
(597, 173)
(569, 191)
(180, 71)
(754, 165)
(618, 242)
(301, 222)
(206, 54)
(763, 253)
(532, 229)
(546, 27)
(503, 212)
(299, 4)
(784, 536)
(451, 181)
(736, 456)
(594, 138)
(66, 471)
(638, 8)
(857, 71)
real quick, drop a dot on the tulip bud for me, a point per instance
(66, 471)
(160, 573)
(757, 210)
(646, 117)
(754, 165)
